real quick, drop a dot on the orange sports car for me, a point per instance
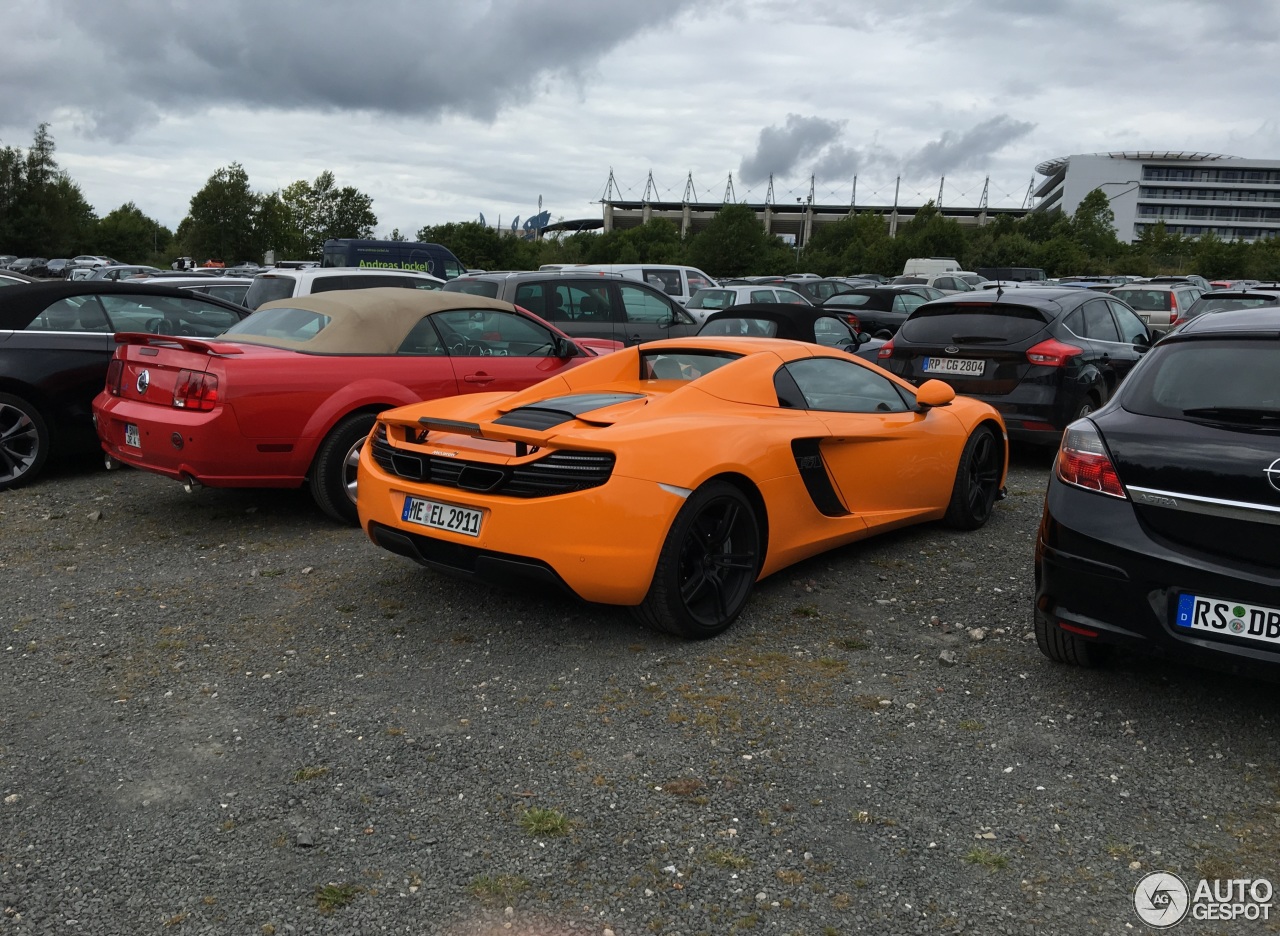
(671, 476)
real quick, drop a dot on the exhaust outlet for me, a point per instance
(110, 462)
(190, 484)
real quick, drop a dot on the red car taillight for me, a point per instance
(1052, 353)
(1173, 308)
(1083, 461)
(195, 390)
(853, 321)
(115, 372)
(886, 351)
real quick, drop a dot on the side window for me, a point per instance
(167, 315)
(906, 303)
(698, 280)
(666, 280)
(533, 296)
(945, 282)
(763, 295)
(492, 332)
(643, 306)
(832, 332)
(330, 283)
(73, 314)
(1131, 328)
(839, 386)
(1075, 323)
(422, 339)
(418, 282)
(1098, 323)
(584, 302)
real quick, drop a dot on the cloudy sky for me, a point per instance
(442, 111)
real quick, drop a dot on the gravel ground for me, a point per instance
(221, 713)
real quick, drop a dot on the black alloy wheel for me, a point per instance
(708, 564)
(977, 481)
(24, 441)
(333, 473)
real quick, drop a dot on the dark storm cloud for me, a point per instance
(968, 150)
(123, 64)
(781, 148)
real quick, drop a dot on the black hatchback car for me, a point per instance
(1043, 357)
(792, 322)
(586, 304)
(56, 341)
(1161, 520)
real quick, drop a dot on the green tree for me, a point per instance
(220, 222)
(42, 211)
(734, 243)
(130, 236)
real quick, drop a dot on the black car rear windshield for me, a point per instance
(972, 323)
(1234, 381)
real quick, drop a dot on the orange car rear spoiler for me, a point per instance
(198, 345)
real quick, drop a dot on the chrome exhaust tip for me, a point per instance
(110, 462)
(190, 484)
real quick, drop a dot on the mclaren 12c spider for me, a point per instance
(671, 476)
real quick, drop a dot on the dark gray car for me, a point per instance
(586, 305)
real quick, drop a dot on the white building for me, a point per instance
(1192, 193)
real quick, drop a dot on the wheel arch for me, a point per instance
(366, 409)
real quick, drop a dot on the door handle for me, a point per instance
(478, 378)
(634, 339)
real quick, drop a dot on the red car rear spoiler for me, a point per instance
(198, 345)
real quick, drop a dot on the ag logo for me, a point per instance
(1161, 899)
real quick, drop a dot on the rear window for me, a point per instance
(1211, 303)
(291, 324)
(972, 323)
(848, 299)
(486, 288)
(682, 365)
(265, 289)
(1184, 375)
(1144, 300)
(752, 327)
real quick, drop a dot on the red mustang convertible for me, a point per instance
(288, 395)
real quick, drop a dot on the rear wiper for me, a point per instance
(1235, 413)
(978, 339)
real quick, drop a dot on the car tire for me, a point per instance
(1090, 404)
(977, 481)
(333, 473)
(1063, 647)
(24, 441)
(708, 564)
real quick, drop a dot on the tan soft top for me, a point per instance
(366, 321)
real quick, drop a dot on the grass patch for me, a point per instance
(969, 724)
(789, 876)
(303, 774)
(727, 858)
(498, 886)
(808, 611)
(850, 643)
(989, 859)
(331, 897)
(872, 703)
(685, 786)
(546, 822)
(1216, 866)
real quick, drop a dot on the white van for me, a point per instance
(678, 282)
(290, 284)
(930, 266)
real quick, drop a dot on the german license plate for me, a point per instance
(131, 437)
(1218, 616)
(439, 516)
(939, 365)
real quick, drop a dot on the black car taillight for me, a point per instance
(1083, 461)
(1052, 353)
(195, 390)
(115, 374)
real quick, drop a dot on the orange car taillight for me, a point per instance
(886, 351)
(115, 373)
(1083, 461)
(195, 390)
(1052, 353)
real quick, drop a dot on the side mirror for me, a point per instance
(863, 337)
(563, 348)
(933, 393)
